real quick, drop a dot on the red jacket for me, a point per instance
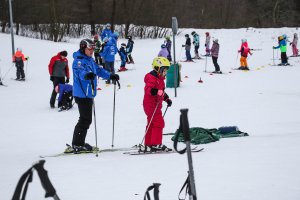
(245, 49)
(153, 80)
(55, 60)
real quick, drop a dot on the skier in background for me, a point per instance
(163, 51)
(106, 32)
(215, 54)
(282, 46)
(129, 48)
(294, 45)
(154, 95)
(196, 43)
(187, 46)
(207, 44)
(58, 70)
(123, 56)
(244, 50)
(65, 96)
(97, 50)
(168, 44)
(18, 59)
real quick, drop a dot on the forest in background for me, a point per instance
(54, 19)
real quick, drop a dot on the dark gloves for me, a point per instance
(183, 45)
(169, 102)
(153, 91)
(67, 80)
(51, 78)
(89, 76)
(114, 77)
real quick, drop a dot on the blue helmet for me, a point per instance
(284, 36)
(116, 34)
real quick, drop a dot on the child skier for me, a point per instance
(215, 54)
(97, 50)
(207, 44)
(129, 48)
(196, 43)
(168, 44)
(187, 46)
(65, 97)
(163, 51)
(123, 57)
(244, 50)
(282, 46)
(18, 59)
(152, 103)
(294, 45)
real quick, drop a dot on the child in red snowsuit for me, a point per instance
(153, 98)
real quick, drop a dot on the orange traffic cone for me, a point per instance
(200, 81)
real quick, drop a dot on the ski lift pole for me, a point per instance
(174, 30)
(185, 129)
(273, 57)
(205, 62)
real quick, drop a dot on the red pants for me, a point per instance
(155, 129)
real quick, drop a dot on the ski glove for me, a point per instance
(51, 78)
(67, 80)
(89, 76)
(169, 102)
(114, 77)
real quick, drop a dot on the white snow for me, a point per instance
(264, 102)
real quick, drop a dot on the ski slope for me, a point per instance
(264, 102)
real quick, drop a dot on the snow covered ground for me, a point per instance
(264, 102)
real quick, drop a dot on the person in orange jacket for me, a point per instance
(244, 50)
(18, 59)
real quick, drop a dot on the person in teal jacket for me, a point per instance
(85, 72)
(282, 46)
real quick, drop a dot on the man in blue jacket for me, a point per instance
(85, 72)
(106, 33)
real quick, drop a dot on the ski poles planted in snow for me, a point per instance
(95, 121)
(114, 105)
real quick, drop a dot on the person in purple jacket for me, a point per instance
(65, 97)
(163, 51)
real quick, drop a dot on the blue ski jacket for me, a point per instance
(62, 89)
(82, 65)
(110, 50)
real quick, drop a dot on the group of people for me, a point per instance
(282, 45)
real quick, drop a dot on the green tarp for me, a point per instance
(203, 136)
(170, 76)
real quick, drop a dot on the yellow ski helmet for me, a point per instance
(160, 63)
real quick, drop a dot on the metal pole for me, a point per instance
(11, 28)
(175, 68)
(113, 130)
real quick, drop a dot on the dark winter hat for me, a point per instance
(193, 33)
(129, 37)
(186, 35)
(64, 53)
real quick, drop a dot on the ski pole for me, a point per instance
(205, 62)
(7, 71)
(237, 56)
(273, 58)
(95, 121)
(113, 129)
(165, 111)
(26, 69)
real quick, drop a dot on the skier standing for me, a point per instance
(123, 57)
(196, 43)
(58, 70)
(85, 71)
(129, 48)
(294, 45)
(215, 54)
(244, 50)
(187, 46)
(163, 51)
(154, 94)
(18, 59)
(168, 44)
(282, 46)
(207, 44)
(97, 50)
(106, 32)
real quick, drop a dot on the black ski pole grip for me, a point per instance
(185, 124)
(46, 183)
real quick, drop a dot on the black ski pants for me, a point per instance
(283, 57)
(56, 81)
(85, 107)
(215, 61)
(20, 70)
